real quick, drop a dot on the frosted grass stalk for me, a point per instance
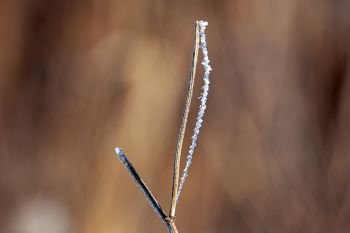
(202, 107)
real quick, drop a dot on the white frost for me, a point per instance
(118, 150)
(203, 100)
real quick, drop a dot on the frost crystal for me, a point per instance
(203, 100)
(118, 150)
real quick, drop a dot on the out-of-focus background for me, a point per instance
(78, 78)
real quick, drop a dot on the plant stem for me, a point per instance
(177, 157)
(141, 185)
(170, 223)
(171, 226)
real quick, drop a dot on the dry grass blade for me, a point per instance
(170, 224)
(169, 221)
(177, 157)
(141, 184)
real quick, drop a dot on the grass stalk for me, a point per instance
(180, 138)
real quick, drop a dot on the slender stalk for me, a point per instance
(171, 227)
(202, 106)
(177, 157)
(169, 222)
(141, 185)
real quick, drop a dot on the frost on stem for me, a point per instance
(202, 107)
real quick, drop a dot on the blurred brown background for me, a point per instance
(78, 78)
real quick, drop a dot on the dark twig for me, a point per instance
(170, 224)
(142, 186)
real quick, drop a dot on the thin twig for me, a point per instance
(170, 224)
(171, 227)
(142, 186)
(169, 221)
(202, 106)
(177, 157)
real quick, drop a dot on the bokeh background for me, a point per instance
(78, 78)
